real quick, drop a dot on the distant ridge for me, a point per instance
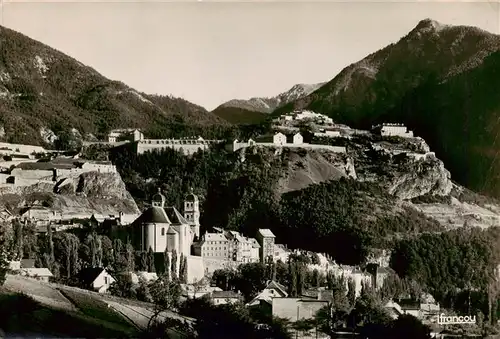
(42, 88)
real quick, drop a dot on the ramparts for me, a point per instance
(7, 148)
(239, 145)
(187, 146)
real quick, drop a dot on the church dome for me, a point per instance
(158, 199)
(192, 197)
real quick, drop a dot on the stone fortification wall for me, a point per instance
(212, 265)
(187, 146)
(32, 174)
(6, 148)
(337, 149)
(195, 269)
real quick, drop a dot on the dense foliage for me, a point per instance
(353, 216)
(451, 263)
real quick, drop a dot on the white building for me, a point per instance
(279, 139)
(227, 245)
(131, 133)
(298, 139)
(393, 130)
(42, 274)
(165, 228)
(96, 279)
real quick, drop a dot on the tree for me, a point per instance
(144, 262)
(108, 258)
(129, 257)
(5, 246)
(173, 265)
(408, 327)
(183, 274)
(151, 260)
(122, 286)
(351, 291)
(166, 258)
(165, 295)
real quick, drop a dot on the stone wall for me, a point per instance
(32, 174)
(295, 308)
(187, 146)
(212, 265)
(6, 148)
(239, 145)
(195, 269)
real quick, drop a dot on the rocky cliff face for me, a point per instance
(404, 167)
(75, 196)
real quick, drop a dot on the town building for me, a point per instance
(42, 273)
(281, 140)
(96, 278)
(130, 134)
(266, 240)
(188, 146)
(227, 245)
(225, 297)
(295, 309)
(393, 130)
(263, 300)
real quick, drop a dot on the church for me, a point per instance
(163, 227)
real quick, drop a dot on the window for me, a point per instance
(163, 231)
(105, 280)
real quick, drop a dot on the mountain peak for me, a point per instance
(427, 25)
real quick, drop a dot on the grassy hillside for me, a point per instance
(42, 87)
(21, 315)
(439, 80)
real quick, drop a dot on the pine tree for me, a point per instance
(144, 261)
(151, 260)
(173, 265)
(183, 275)
(351, 292)
(166, 256)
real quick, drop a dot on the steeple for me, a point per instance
(158, 199)
(192, 211)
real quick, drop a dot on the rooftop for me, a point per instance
(266, 232)
(40, 272)
(225, 294)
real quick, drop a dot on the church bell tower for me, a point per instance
(192, 212)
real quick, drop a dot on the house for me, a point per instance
(96, 278)
(264, 299)
(190, 291)
(298, 139)
(318, 293)
(225, 297)
(411, 307)
(295, 309)
(42, 274)
(393, 309)
(279, 139)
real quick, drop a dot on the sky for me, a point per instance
(210, 52)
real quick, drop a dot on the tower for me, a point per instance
(266, 240)
(155, 224)
(192, 212)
